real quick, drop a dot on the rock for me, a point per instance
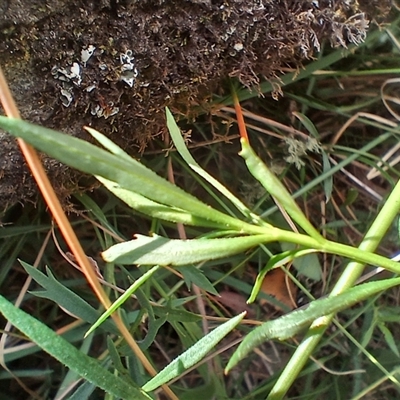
(116, 64)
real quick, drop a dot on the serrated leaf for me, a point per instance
(64, 297)
(193, 355)
(157, 250)
(291, 324)
(154, 326)
(115, 357)
(87, 367)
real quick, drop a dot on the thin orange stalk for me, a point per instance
(68, 233)
(239, 116)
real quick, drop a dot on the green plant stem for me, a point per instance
(274, 186)
(361, 254)
(348, 278)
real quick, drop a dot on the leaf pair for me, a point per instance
(151, 190)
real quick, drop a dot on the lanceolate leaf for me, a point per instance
(87, 367)
(129, 174)
(275, 187)
(154, 209)
(184, 152)
(64, 297)
(157, 250)
(193, 355)
(121, 299)
(291, 324)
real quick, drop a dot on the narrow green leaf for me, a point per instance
(173, 314)
(180, 145)
(388, 314)
(157, 250)
(72, 377)
(275, 187)
(121, 299)
(154, 325)
(389, 338)
(193, 355)
(154, 209)
(207, 391)
(351, 196)
(193, 275)
(139, 202)
(309, 125)
(109, 144)
(328, 182)
(291, 324)
(369, 325)
(87, 367)
(64, 297)
(84, 391)
(307, 263)
(129, 174)
(116, 358)
(276, 261)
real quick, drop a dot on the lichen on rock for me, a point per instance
(116, 64)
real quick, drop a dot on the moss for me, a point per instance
(115, 64)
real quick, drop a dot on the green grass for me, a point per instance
(357, 355)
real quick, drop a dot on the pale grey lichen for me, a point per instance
(70, 77)
(108, 111)
(298, 149)
(87, 53)
(129, 71)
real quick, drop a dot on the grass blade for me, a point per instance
(121, 300)
(193, 355)
(87, 367)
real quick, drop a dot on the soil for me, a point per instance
(116, 64)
